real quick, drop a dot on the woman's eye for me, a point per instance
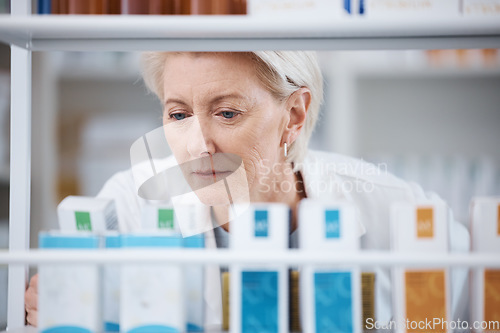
(228, 114)
(178, 116)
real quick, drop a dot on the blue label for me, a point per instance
(259, 302)
(261, 225)
(61, 241)
(154, 329)
(332, 224)
(151, 241)
(111, 327)
(333, 302)
(347, 6)
(66, 329)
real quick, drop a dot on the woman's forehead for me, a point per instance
(208, 71)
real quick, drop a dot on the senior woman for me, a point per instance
(262, 107)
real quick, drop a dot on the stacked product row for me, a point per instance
(169, 298)
(324, 8)
(143, 7)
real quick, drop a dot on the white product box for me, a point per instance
(68, 295)
(87, 214)
(194, 288)
(481, 8)
(411, 8)
(485, 238)
(152, 296)
(324, 290)
(160, 217)
(186, 219)
(295, 8)
(420, 294)
(111, 287)
(259, 293)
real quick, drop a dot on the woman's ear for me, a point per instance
(297, 106)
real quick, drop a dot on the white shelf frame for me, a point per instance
(230, 33)
(26, 33)
(292, 257)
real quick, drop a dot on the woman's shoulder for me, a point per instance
(327, 164)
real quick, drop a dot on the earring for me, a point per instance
(286, 149)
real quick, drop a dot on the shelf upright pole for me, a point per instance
(20, 169)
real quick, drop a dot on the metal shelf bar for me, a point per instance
(229, 257)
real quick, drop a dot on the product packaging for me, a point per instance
(485, 238)
(259, 293)
(330, 295)
(111, 286)
(295, 8)
(395, 9)
(481, 8)
(420, 294)
(68, 294)
(87, 214)
(194, 287)
(152, 295)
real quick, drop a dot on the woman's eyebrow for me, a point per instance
(175, 101)
(227, 96)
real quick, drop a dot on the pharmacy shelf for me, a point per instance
(230, 257)
(31, 329)
(425, 72)
(230, 33)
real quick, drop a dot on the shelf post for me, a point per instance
(20, 170)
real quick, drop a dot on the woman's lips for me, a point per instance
(212, 174)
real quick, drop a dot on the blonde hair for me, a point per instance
(281, 72)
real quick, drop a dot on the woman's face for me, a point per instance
(218, 114)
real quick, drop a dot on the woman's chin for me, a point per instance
(213, 196)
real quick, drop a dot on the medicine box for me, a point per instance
(259, 293)
(111, 286)
(194, 288)
(485, 238)
(152, 295)
(77, 213)
(394, 9)
(68, 294)
(330, 295)
(420, 294)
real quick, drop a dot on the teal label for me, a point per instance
(261, 225)
(83, 221)
(166, 219)
(333, 302)
(332, 224)
(259, 302)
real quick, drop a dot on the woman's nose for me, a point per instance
(198, 138)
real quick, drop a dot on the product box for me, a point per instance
(194, 288)
(485, 238)
(68, 294)
(87, 214)
(330, 296)
(295, 8)
(420, 294)
(111, 286)
(160, 217)
(395, 9)
(481, 8)
(152, 295)
(259, 293)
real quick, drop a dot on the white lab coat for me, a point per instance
(325, 176)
